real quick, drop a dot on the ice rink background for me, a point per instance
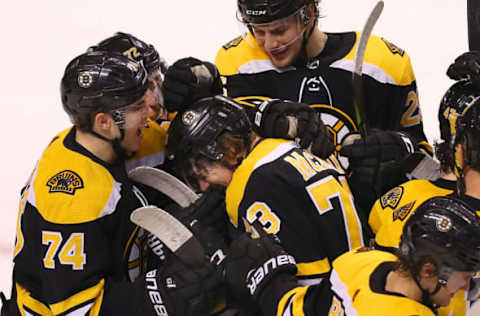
(40, 37)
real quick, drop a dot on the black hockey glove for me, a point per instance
(180, 290)
(188, 80)
(466, 66)
(291, 120)
(375, 164)
(253, 265)
(210, 210)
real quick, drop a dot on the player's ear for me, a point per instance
(428, 270)
(102, 122)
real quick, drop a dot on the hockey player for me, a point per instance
(391, 211)
(144, 53)
(152, 151)
(283, 54)
(438, 256)
(299, 197)
(74, 236)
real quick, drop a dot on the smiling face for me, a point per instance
(281, 40)
(136, 116)
(212, 174)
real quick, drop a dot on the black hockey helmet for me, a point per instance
(455, 101)
(194, 132)
(134, 49)
(101, 81)
(267, 11)
(445, 230)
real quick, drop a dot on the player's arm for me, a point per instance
(283, 202)
(259, 269)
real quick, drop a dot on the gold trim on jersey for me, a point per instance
(229, 61)
(381, 62)
(251, 101)
(267, 150)
(313, 268)
(292, 302)
(93, 293)
(59, 166)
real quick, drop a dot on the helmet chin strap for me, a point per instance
(443, 275)
(119, 151)
(302, 57)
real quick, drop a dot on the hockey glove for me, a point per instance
(255, 264)
(291, 120)
(188, 80)
(210, 210)
(466, 66)
(375, 164)
(180, 290)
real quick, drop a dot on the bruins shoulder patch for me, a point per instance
(394, 48)
(233, 43)
(65, 181)
(402, 212)
(391, 198)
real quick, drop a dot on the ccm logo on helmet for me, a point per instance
(154, 293)
(256, 277)
(256, 12)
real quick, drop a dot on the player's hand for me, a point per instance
(181, 290)
(466, 66)
(188, 80)
(254, 263)
(291, 120)
(375, 163)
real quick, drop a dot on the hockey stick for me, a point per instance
(164, 182)
(473, 16)
(176, 236)
(357, 82)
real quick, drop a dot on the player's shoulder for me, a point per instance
(152, 148)
(69, 187)
(242, 55)
(410, 190)
(384, 61)
(266, 152)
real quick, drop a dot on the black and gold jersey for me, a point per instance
(355, 287)
(358, 284)
(74, 238)
(326, 83)
(302, 199)
(391, 210)
(152, 148)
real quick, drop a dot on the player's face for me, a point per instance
(136, 116)
(154, 96)
(281, 40)
(457, 281)
(213, 174)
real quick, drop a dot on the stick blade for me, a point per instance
(164, 182)
(176, 236)
(366, 31)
